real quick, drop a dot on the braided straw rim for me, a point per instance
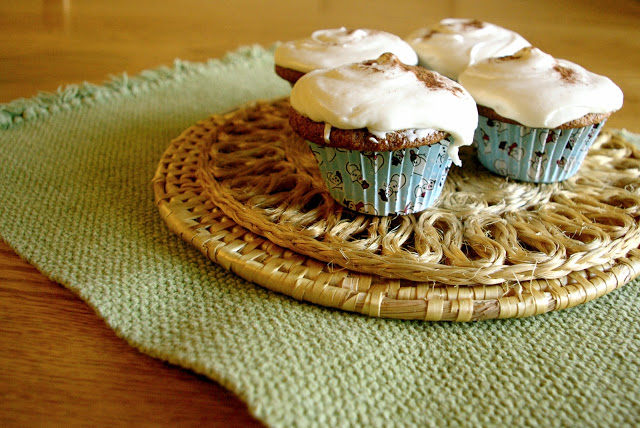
(187, 208)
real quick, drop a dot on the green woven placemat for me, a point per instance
(77, 202)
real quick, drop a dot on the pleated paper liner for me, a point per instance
(241, 189)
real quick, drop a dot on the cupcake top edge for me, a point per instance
(361, 139)
(453, 44)
(329, 48)
(387, 96)
(537, 90)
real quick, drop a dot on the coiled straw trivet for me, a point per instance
(244, 189)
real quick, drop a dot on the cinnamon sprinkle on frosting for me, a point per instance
(568, 75)
(430, 79)
(473, 23)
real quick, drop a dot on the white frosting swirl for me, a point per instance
(384, 96)
(454, 44)
(538, 90)
(334, 47)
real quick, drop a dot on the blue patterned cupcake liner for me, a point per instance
(536, 155)
(394, 182)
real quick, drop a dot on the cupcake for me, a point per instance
(334, 47)
(384, 133)
(538, 115)
(454, 44)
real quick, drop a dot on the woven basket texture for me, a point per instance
(246, 191)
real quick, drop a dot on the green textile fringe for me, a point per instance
(44, 104)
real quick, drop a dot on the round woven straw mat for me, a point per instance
(246, 191)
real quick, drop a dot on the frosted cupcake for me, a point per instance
(538, 115)
(453, 44)
(384, 133)
(334, 47)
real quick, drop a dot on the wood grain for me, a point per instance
(61, 365)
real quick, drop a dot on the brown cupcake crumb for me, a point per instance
(356, 139)
(289, 74)
(586, 120)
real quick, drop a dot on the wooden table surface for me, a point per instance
(59, 363)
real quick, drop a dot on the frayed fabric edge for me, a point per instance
(73, 96)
